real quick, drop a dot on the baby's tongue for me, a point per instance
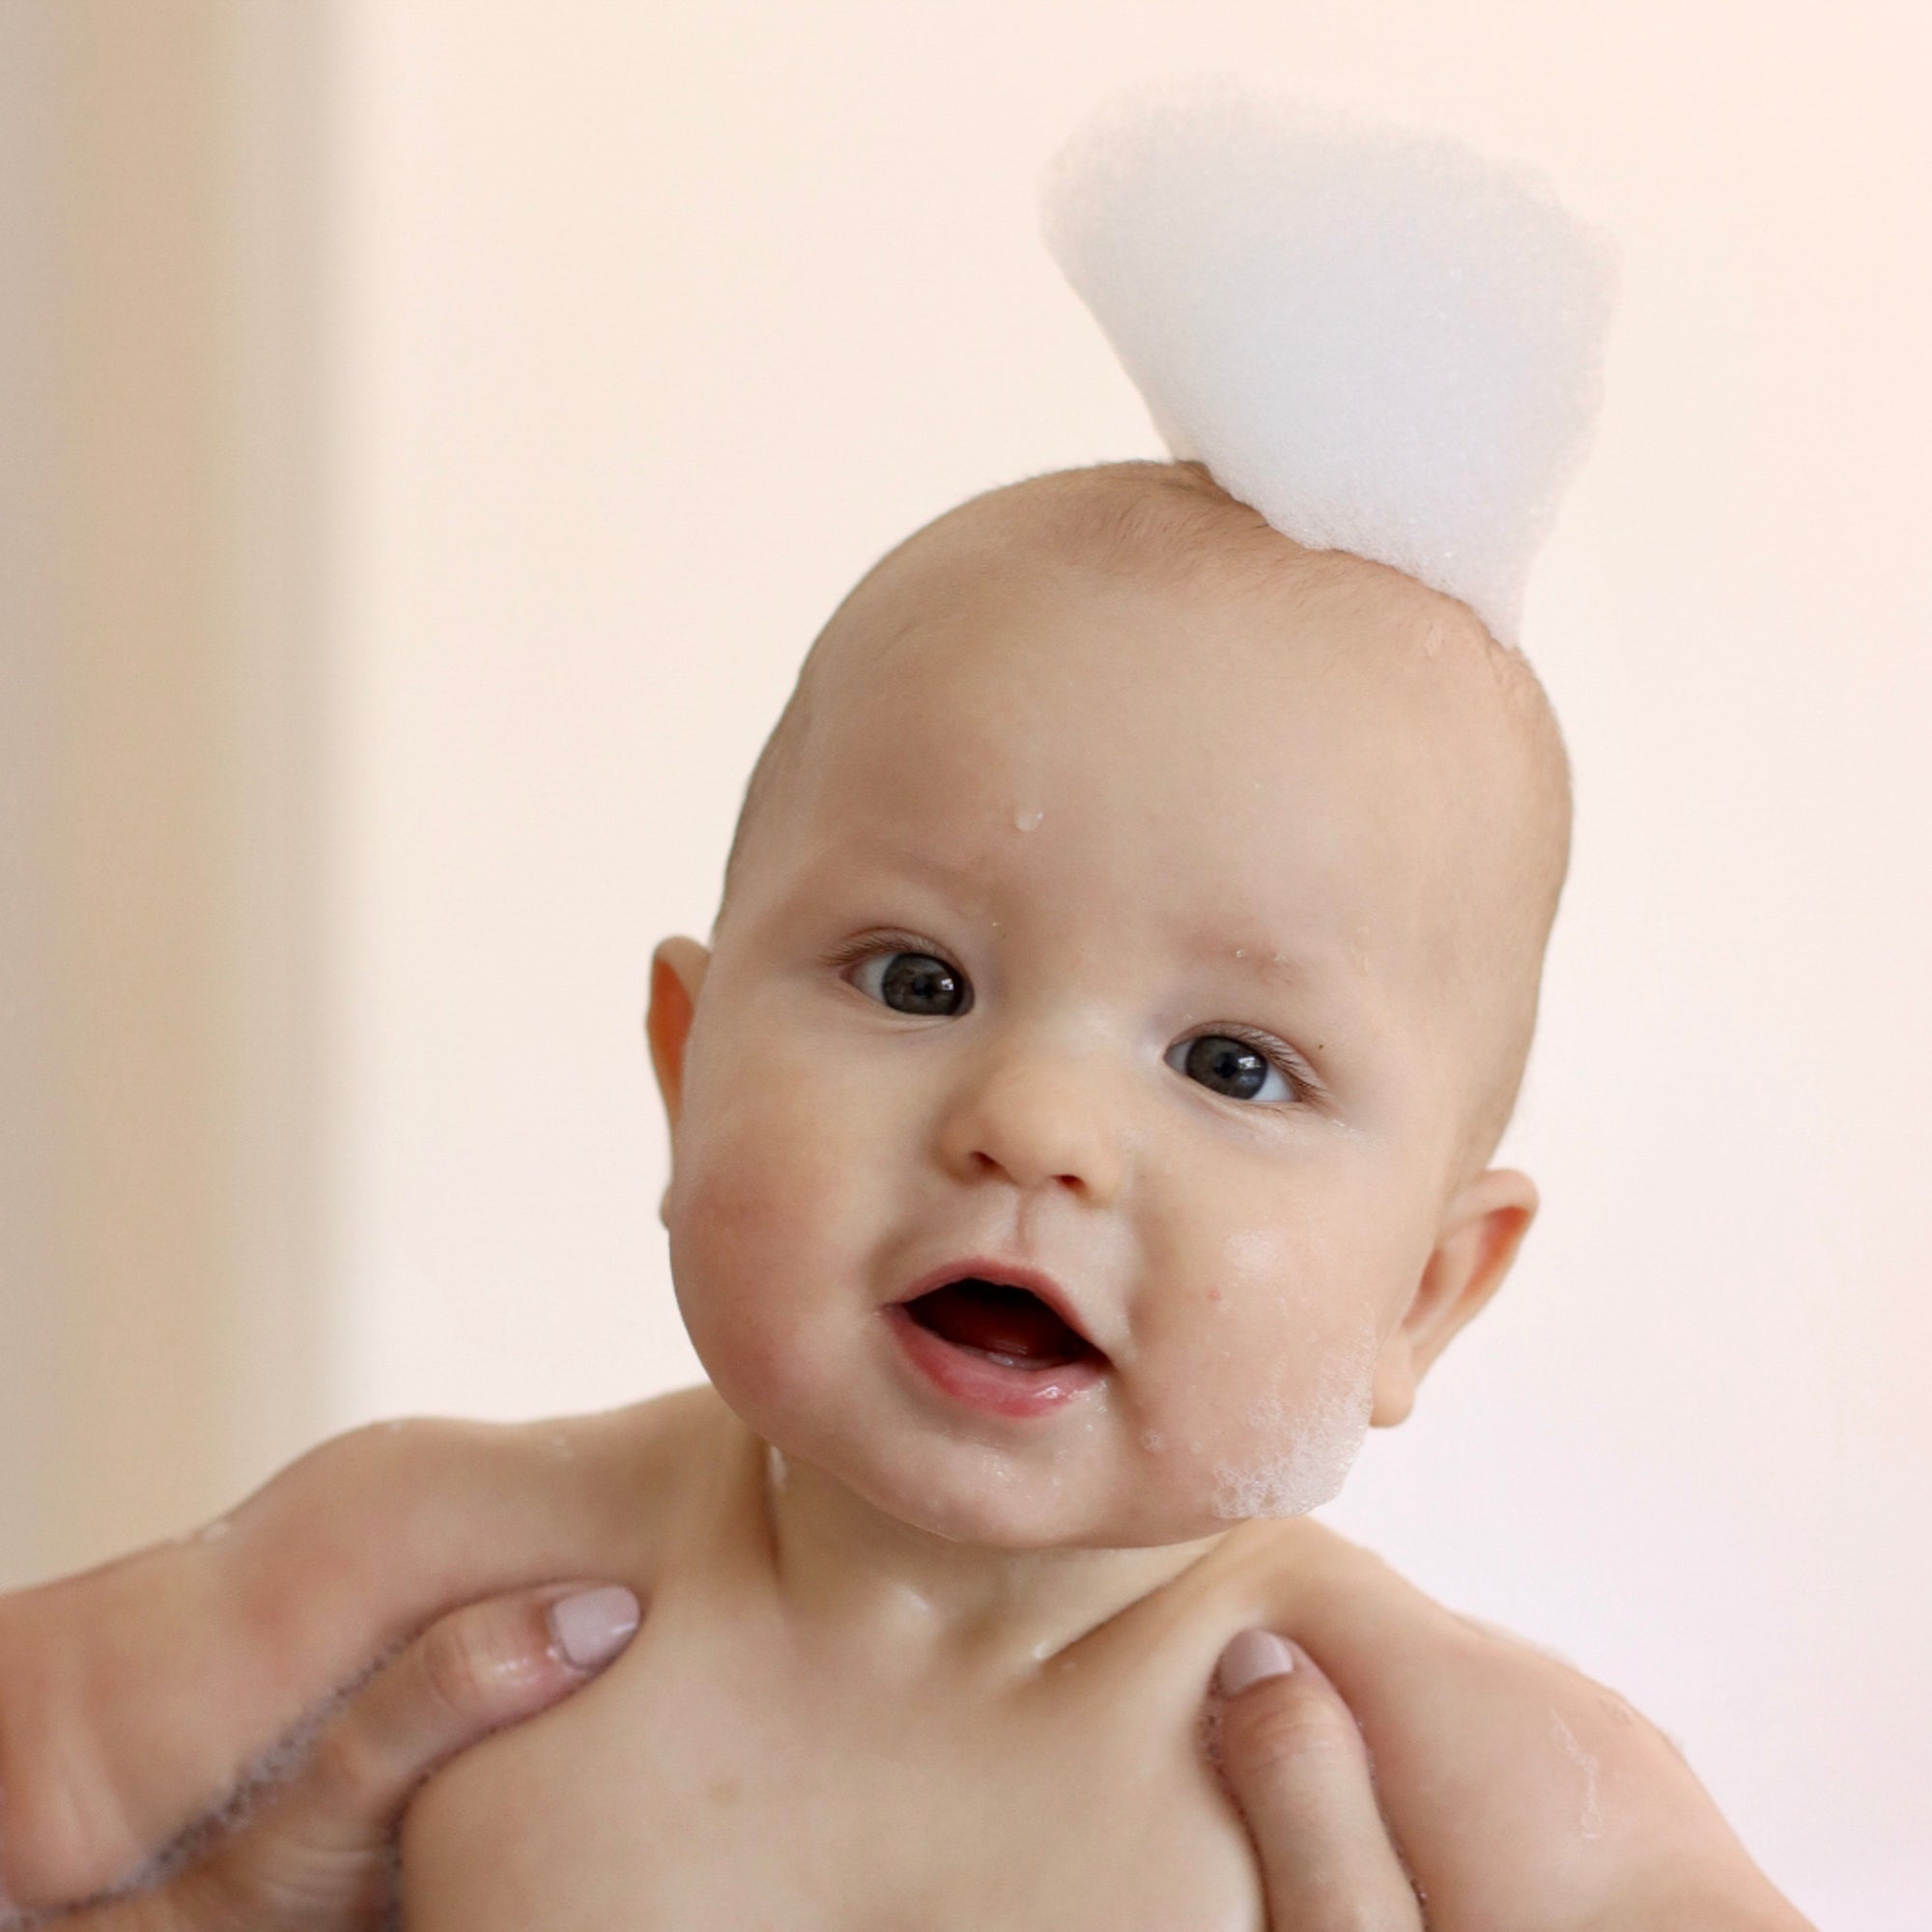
(999, 1321)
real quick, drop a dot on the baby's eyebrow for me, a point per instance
(964, 875)
(1272, 960)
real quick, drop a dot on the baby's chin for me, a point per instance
(1082, 1481)
(1156, 1493)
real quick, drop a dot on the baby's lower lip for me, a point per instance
(992, 1383)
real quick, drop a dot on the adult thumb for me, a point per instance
(1295, 1760)
(315, 1857)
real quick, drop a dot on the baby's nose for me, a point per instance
(1039, 1120)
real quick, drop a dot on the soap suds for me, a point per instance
(1308, 1444)
(1383, 341)
(1254, 1258)
(1591, 1822)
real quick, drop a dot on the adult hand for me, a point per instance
(1510, 1791)
(134, 1699)
(314, 1854)
(1294, 1759)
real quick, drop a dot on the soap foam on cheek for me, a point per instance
(1306, 1445)
(1254, 1254)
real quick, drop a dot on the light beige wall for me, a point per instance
(27, 1080)
(159, 1252)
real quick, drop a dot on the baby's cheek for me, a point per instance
(765, 1219)
(1266, 1371)
(1301, 1430)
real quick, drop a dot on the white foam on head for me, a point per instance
(1382, 341)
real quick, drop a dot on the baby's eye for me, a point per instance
(915, 982)
(1231, 1067)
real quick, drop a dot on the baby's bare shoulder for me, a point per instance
(1521, 1792)
(423, 1514)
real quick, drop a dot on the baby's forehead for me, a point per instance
(1135, 626)
(1286, 737)
(1136, 641)
(1117, 614)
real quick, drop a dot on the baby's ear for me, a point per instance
(677, 971)
(1482, 1228)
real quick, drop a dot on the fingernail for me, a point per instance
(594, 1625)
(1252, 1658)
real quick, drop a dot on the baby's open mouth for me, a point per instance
(1011, 1326)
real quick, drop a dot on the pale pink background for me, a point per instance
(648, 327)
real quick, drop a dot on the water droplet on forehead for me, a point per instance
(1027, 817)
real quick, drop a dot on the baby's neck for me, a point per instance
(859, 1581)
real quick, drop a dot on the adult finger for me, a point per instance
(315, 1857)
(1295, 1760)
(135, 1695)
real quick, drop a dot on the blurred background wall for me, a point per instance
(163, 1312)
(434, 432)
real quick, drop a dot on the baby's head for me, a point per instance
(1129, 958)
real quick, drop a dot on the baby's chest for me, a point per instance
(680, 1797)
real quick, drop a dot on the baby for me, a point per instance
(1080, 1125)
(1081, 1122)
